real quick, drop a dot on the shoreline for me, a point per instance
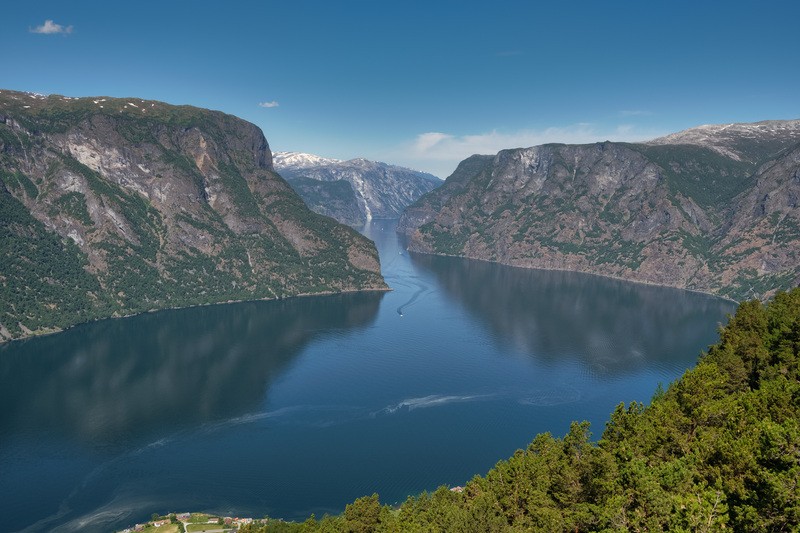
(608, 276)
(35, 335)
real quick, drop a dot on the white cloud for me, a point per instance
(439, 153)
(429, 141)
(50, 27)
(273, 103)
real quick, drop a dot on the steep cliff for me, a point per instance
(376, 190)
(118, 206)
(713, 209)
(335, 199)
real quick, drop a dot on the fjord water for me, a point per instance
(299, 406)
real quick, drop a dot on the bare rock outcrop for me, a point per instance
(117, 206)
(713, 210)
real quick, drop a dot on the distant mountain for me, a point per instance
(116, 206)
(292, 161)
(741, 142)
(713, 208)
(376, 190)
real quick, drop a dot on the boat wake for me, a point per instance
(299, 415)
(434, 400)
(421, 288)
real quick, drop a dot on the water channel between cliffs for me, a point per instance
(299, 406)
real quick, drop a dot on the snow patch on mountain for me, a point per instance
(732, 140)
(298, 160)
(381, 190)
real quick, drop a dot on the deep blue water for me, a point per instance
(300, 406)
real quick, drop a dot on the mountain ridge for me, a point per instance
(298, 160)
(727, 139)
(122, 205)
(687, 215)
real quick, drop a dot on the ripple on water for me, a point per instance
(551, 396)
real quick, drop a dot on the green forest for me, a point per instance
(719, 449)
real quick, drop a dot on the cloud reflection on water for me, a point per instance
(139, 375)
(608, 325)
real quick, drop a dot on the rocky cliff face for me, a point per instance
(714, 210)
(117, 206)
(335, 199)
(376, 190)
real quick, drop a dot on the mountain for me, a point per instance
(713, 209)
(116, 206)
(376, 190)
(335, 199)
(740, 142)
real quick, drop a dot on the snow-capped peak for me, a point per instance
(712, 133)
(297, 160)
(728, 139)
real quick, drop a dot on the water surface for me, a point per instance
(299, 406)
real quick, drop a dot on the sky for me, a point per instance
(421, 84)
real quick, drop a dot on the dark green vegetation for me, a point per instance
(41, 273)
(118, 206)
(714, 209)
(709, 178)
(719, 449)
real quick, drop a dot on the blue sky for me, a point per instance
(422, 84)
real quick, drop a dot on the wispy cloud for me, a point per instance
(635, 113)
(273, 103)
(49, 27)
(439, 152)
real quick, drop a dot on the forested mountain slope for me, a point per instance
(117, 206)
